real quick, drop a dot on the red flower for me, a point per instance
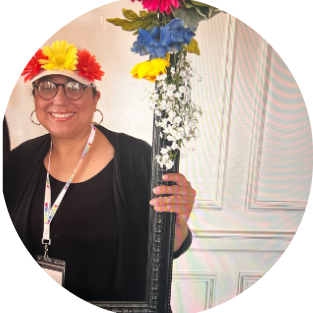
(88, 67)
(33, 66)
(161, 5)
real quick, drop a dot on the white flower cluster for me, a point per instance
(178, 114)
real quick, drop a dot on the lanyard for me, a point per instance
(50, 212)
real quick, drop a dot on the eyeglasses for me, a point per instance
(73, 90)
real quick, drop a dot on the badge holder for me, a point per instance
(53, 267)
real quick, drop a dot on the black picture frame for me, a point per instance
(160, 247)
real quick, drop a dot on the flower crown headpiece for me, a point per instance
(65, 59)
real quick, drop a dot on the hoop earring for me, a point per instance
(94, 123)
(31, 118)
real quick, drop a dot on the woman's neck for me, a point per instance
(69, 148)
(66, 154)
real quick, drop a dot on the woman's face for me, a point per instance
(62, 117)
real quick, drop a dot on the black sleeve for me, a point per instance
(185, 245)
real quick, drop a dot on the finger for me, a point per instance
(174, 208)
(171, 200)
(175, 190)
(178, 178)
(181, 219)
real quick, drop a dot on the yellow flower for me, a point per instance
(60, 56)
(149, 70)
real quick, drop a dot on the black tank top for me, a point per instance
(83, 232)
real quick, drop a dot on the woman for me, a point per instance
(98, 178)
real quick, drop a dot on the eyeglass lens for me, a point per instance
(48, 90)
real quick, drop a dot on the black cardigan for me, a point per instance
(131, 183)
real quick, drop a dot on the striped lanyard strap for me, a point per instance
(49, 211)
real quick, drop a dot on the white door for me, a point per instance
(251, 166)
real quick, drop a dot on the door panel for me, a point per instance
(252, 166)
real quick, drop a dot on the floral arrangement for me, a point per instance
(166, 33)
(63, 56)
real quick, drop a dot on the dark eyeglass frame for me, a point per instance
(36, 85)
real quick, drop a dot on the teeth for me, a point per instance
(62, 115)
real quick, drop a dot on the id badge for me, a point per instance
(53, 267)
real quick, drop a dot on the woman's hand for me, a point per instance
(180, 201)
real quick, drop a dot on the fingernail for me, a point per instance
(164, 176)
(152, 202)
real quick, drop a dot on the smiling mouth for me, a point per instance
(62, 115)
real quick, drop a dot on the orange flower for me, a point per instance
(88, 67)
(33, 66)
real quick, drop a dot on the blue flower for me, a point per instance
(148, 43)
(174, 35)
(158, 41)
(143, 39)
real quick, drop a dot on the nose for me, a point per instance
(60, 97)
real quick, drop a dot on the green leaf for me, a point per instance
(146, 14)
(133, 21)
(199, 4)
(126, 25)
(130, 15)
(204, 10)
(190, 16)
(193, 47)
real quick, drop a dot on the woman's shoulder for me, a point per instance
(133, 154)
(34, 147)
(23, 159)
(125, 143)
(134, 143)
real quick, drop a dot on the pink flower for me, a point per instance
(160, 5)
